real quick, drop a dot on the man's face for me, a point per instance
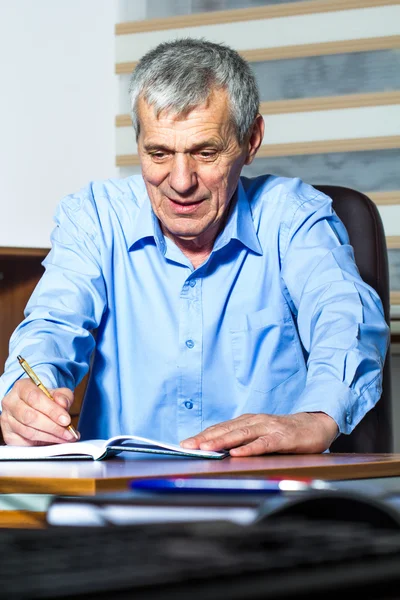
(191, 166)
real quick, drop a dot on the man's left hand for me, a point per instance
(252, 435)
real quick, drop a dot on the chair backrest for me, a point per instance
(364, 226)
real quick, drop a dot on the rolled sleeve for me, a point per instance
(339, 317)
(339, 401)
(55, 336)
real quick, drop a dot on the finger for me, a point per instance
(238, 437)
(34, 422)
(215, 432)
(40, 403)
(29, 413)
(23, 416)
(261, 445)
(231, 424)
(16, 433)
(25, 388)
(9, 436)
(13, 439)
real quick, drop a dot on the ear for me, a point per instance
(256, 137)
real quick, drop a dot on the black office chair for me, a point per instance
(364, 225)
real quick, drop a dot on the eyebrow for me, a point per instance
(206, 144)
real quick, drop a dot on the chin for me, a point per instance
(183, 229)
(186, 235)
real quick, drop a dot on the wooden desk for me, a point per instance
(83, 477)
(86, 477)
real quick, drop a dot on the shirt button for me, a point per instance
(192, 282)
(348, 418)
(189, 343)
(189, 404)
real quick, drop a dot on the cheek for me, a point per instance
(216, 179)
(152, 174)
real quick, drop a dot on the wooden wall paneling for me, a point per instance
(19, 276)
(20, 271)
(393, 242)
(395, 297)
(78, 399)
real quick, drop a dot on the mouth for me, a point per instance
(184, 208)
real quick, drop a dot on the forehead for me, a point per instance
(214, 113)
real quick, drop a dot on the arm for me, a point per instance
(342, 328)
(339, 317)
(55, 336)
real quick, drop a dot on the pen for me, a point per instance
(231, 485)
(40, 385)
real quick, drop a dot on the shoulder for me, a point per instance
(282, 207)
(95, 206)
(285, 196)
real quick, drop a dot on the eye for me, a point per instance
(207, 154)
(159, 155)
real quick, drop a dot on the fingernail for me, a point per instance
(189, 444)
(63, 420)
(68, 435)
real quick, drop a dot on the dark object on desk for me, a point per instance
(338, 506)
(286, 558)
(364, 226)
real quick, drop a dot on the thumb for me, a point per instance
(64, 397)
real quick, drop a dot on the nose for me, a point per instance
(182, 177)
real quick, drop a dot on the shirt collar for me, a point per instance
(239, 226)
(147, 226)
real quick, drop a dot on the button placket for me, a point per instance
(190, 363)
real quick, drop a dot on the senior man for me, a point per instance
(229, 312)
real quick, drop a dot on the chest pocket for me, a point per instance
(264, 350)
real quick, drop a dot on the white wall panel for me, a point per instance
(57, 107)
(391, 219)
(123, 94)
(346, 123)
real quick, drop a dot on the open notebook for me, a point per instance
(100, 449)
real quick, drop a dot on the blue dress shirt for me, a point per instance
(277, 320)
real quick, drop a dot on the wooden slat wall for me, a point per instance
(301, 50)
(247, 14)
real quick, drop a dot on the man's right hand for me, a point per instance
(30, 418)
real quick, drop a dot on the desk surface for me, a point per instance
(86, 477)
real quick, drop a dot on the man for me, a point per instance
(228, 311)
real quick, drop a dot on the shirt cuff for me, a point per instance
(335, 399)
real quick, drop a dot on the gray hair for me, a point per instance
(180, 75)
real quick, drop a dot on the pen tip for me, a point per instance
(20, 358)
